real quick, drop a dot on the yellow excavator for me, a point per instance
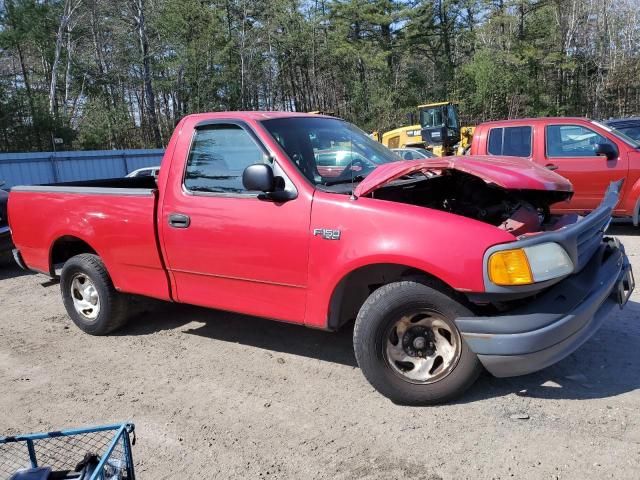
(438, 129)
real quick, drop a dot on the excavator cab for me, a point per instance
(440, 126)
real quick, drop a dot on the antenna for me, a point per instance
(353, 197)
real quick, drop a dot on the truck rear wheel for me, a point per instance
(89, 296)
(408, 346)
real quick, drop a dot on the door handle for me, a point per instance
(178, 220)
(551, 166)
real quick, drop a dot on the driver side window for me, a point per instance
(572, 141)
(219, 154)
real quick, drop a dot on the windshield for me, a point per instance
(328, 151)
(622, 136)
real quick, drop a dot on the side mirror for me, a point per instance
(609, 150)
(259, 177)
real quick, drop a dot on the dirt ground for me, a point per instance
(218, 395)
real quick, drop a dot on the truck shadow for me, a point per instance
(9, 269)
(623, 229)
(335, 347)
(574, 378)
(603, 367)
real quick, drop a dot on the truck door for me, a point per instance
(569, 151)
(225, 247)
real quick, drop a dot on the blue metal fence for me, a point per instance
(53, 167)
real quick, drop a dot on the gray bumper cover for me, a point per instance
(557, 323)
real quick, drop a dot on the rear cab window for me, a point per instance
(511, 141)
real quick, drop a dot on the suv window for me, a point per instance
(572, 141)
(219, 154)
(513, 141)
(633, 132)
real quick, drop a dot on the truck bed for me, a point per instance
(144, 183)
(115, 217)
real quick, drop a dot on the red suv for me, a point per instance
(589, 154)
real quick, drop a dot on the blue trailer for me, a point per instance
(93, 453)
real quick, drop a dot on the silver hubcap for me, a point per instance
(423, 347)
(85, 296)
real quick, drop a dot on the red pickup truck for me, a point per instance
(446, 265)
(589, 154)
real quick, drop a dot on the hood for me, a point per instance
(511, 173)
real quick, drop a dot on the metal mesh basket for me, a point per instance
(105, 452)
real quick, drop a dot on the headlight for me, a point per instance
(528, 265)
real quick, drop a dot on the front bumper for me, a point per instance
(557, 322)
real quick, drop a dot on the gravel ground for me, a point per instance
(218, 395)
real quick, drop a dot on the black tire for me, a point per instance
(112, 312)
(377, 317)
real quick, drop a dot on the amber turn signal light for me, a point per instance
(510, 267)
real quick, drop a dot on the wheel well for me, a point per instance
(355, 288)
(66, 247)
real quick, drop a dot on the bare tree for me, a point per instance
(70, 7)
(150, 101)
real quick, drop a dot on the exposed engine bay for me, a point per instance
(517, 211)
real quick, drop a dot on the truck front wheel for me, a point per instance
(408, 346)
(89, 296)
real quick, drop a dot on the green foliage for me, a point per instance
(369, 61)
(99, 126)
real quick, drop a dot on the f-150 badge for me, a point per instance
(326, 233)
